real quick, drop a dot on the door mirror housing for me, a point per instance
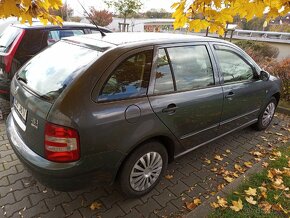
(264, 75)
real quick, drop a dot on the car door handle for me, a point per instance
(230, 94)
(171, 108)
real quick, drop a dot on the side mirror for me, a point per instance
(264, 75)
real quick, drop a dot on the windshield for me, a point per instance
(51, 71)
(8, 37)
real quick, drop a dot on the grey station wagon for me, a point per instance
(120, 107)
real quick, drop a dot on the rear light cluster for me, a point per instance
(61, 143)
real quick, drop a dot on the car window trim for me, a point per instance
(165, 46)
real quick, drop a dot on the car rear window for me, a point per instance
(8, 37)
(51, 71)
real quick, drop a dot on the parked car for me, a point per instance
(120, 107)
(20, 42)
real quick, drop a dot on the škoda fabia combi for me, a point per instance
(120, 107)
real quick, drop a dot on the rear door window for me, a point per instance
(56, 35)
(191, 66)
(51, 71)
(7, 38)
(129, 79)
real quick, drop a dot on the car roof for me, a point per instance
(138, 38)
(39, 25)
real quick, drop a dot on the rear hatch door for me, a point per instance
(40, 82)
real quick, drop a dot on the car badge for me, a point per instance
(34, 123)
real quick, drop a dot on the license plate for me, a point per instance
(20, 109)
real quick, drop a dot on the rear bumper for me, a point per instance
(61, 176)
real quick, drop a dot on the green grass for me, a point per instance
(255, 181)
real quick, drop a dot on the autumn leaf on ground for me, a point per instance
(278, 207)
(220, 186)
(214, 205)
(214, 169)
(218, 157)
(168, 176)
(265, 164)
(278, 181)
(248, 164)
(207, 161)
(276, 197)
(237, 205)
(95, 206)
(263, 192)
(239, 168)
(257, 154)
(286, 195)
(236, 175)
(228, 179)
(279, 134)
(222, 202)
(193, 204)
(265, 206)
(270, 175)
(276, 153)
(228, 151)
(251, 191)
(251, 200)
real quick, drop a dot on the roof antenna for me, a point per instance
(101, 31)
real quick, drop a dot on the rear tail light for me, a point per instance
(61, 143)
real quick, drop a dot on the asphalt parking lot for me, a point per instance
(187, 177)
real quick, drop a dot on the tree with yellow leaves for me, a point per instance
(25, 10)
(216, 14)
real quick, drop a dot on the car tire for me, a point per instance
(266, 115)
(140, 175)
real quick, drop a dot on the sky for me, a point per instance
(99, 4)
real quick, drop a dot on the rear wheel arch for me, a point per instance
(277, 95)
(166, 141)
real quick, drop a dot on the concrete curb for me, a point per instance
(283, 110)
(205, 209)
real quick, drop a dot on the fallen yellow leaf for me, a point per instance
(257, 154)
(239, 168)
(265, 206)
(193, 204)
(270, 175)
(228, 179)
(248, 164)
(265, 164)
(222, 202)
(214, 169)
(214, 205)
(237, 205)
(220, 186)
(276, 153)
(286, 195)
(228, 151)
(218, 157)
(168, 176)
(251, 191)
(251, 200)
(207, 161)
(95, 206)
